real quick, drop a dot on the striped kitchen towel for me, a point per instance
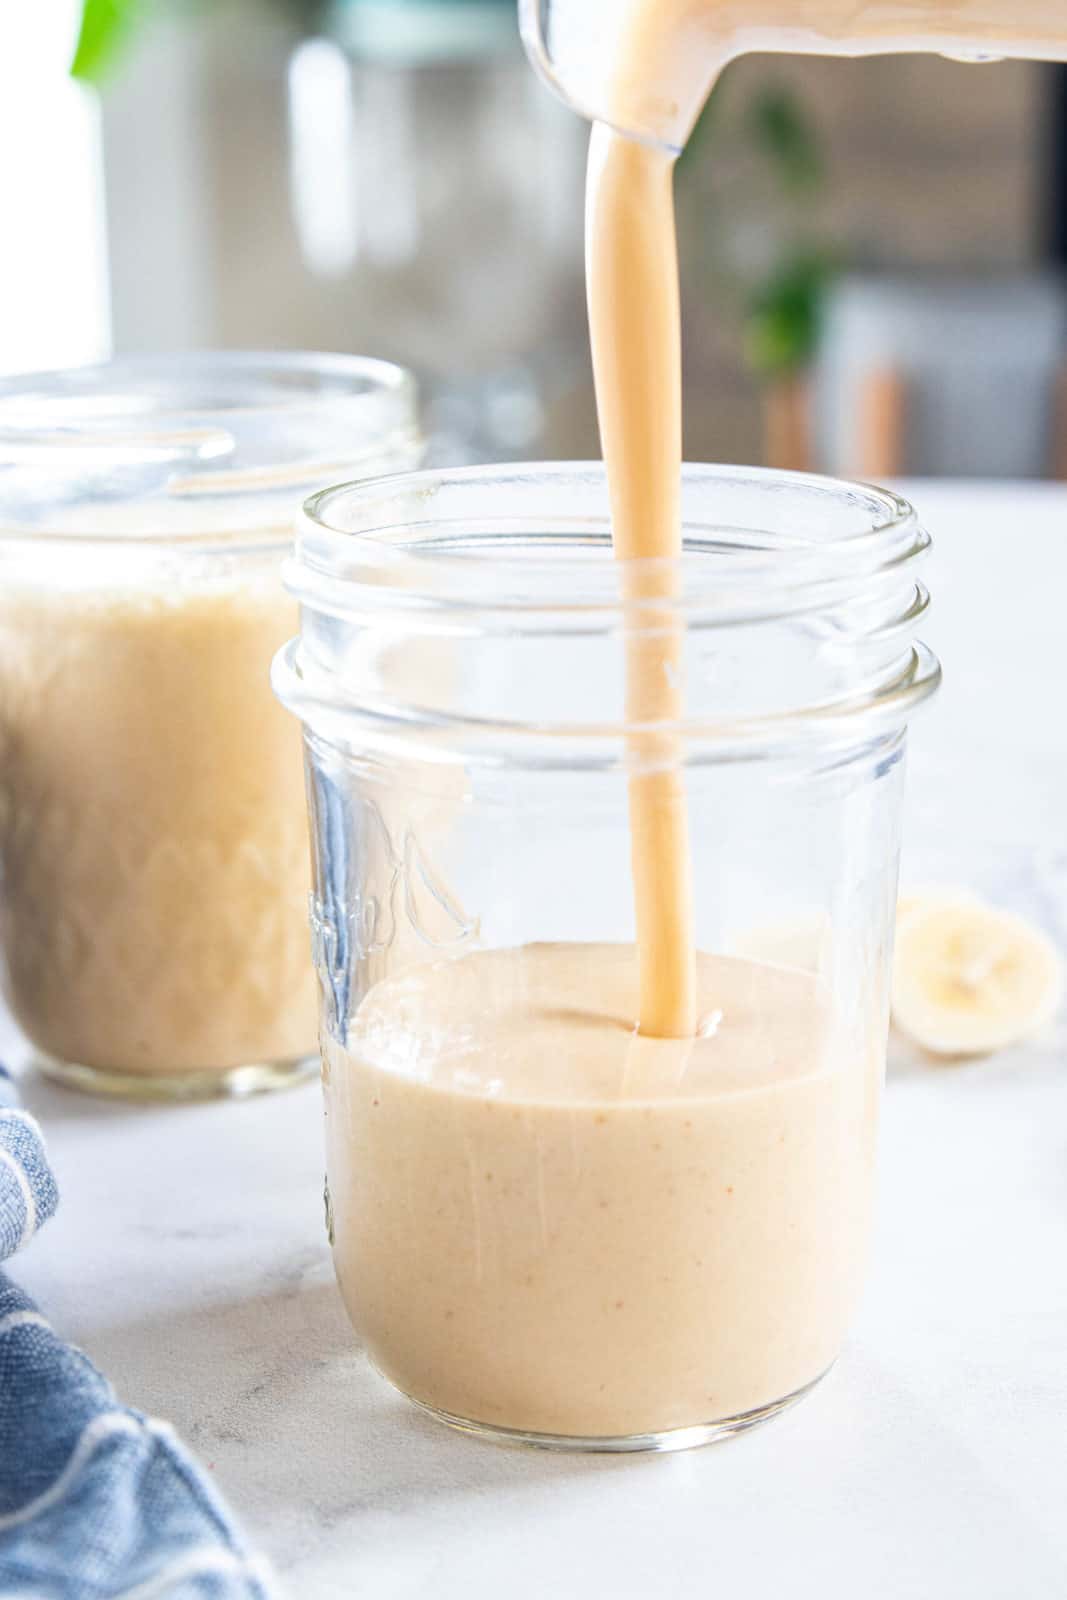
(28, 1193)
(97, 1502)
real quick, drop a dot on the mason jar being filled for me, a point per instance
(553, 1217)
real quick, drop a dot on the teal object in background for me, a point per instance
(400, 32)
(421, 32)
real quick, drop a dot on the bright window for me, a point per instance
(53, 272)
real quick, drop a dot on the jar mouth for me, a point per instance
(426, 32)
(478, 614)
(527, 547)
(166, 434)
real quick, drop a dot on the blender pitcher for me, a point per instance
(645, 67)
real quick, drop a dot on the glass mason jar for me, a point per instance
(153, 838)
(545, 1224)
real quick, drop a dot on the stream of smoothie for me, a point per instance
(668, 55)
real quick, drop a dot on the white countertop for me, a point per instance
(189, 1259)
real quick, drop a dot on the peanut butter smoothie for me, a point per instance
(546, 1222)
(153, 841)
(154, 862)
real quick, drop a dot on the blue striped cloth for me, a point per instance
(97, 1501)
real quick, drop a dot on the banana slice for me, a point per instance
(912, 901)
(969, 980)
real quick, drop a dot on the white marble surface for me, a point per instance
(189, 1259)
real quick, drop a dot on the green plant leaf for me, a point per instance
(784, 317)
(105, 27)
(782, 129)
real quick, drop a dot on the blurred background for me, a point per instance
(871, 251)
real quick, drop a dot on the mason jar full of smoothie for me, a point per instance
(556, 1217)
(153, 842)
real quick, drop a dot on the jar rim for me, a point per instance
(166, 431)
(507, 543)
(385, 562)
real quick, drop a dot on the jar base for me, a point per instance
(702, 1433)
(236, 1083)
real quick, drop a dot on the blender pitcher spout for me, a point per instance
(580, 50)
